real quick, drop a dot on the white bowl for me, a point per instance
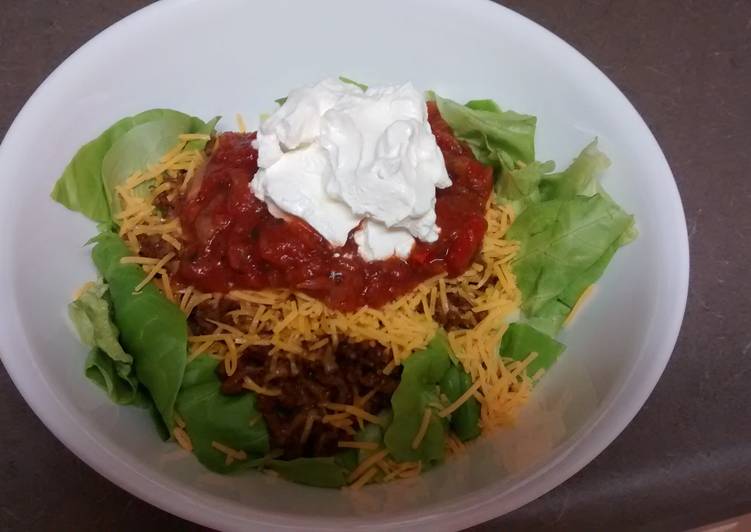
(224, 56)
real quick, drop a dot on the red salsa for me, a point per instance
(233, 242)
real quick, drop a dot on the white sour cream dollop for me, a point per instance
(338, 157)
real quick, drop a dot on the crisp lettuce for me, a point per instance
(322, 472)
(417, 392)
(498, 138)
(152, 329)
(567, 227)
(87, 183)
(560, 242)
(520, 186)
(90, 314)
(362, 86)
(581, 178)
(107, 365)
(465, 421)
(210, 416)
(568, 233)
(521, 339)
(143, 146)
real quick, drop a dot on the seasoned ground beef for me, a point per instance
(154, 246)
(213, 309)
(459, 315)
(353, 369)
(166, 207)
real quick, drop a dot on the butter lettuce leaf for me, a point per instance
(465, 420)
(520, 186)
(91, 316)
(82, 187)
(568, 232)
(498, 138)
(581, 178)
(561, 241)
(107, 364)
(117, 379)
(417, 392)
(321, 472)
(143, 146)
(153, 330)
(210, 416)
(362, 86)
(521, 339)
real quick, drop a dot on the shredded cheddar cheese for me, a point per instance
(366, 464)
(249, 384)
(424, 424)
(461, 400)
(229, 451)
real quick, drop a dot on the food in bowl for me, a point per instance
(347, 295)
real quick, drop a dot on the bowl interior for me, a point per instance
(230, 56)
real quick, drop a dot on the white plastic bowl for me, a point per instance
(224, 56)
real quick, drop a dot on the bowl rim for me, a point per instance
(581, 448)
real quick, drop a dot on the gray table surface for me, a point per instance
(686, 458)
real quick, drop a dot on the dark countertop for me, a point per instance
(686, 458)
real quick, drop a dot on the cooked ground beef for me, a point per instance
(213, 309)
(352, 369)
(166, 207)
(459, 315)
(154, 246)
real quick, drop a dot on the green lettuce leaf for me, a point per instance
(373, 433)
(552, 316)
(332, 471)
(568, 230)
(465, 420)
(82, 186)
(118, 380)
(498, 138)
(143, 146)
(210, 416)
(362, 86)
(520, 187)
(322, 472)
(90, 314)
(418, 391)
(521, 339)
(107, 365)
(153, 330)
(560, 241)
(579, 179)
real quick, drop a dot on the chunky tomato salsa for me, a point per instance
(233, 242)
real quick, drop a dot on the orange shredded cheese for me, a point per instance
(308, 427)
(182, 439)
(364, 479)
(424, 424)
(154, 270)
(229, 451)
(461, 400)
(353, 410)
(249, 384)
(240, 123)
(366, 464)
